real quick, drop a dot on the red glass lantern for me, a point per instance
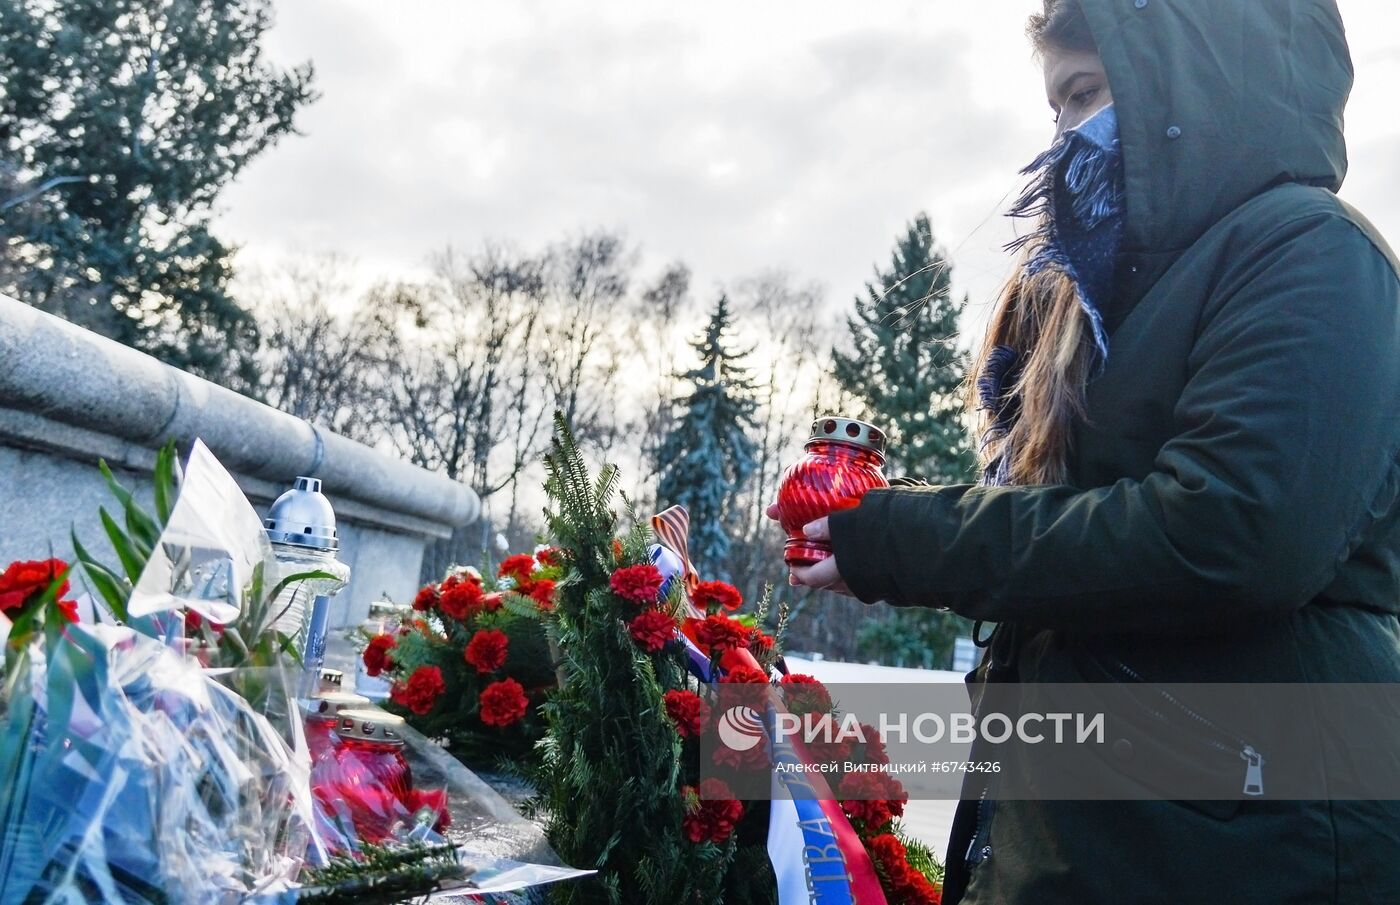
(367, 773)
(323, 715)
(843, 461)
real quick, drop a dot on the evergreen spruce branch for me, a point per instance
(382, 876)
(523, 607)
(780, 633)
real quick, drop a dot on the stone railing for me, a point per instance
(69, 397)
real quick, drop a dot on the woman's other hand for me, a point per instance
(822, 575)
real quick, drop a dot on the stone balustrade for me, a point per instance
(69, 397)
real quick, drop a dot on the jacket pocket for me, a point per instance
(1164, 744)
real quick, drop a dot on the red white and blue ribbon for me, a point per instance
(816, 855)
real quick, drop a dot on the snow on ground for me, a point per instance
(834, 672)
(928, 821)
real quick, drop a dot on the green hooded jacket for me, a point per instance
(1232, 513)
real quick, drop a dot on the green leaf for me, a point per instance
(138, 522)
(108, 586)
(289, 646)
(164, 481)
(314, 575)
(133, 563)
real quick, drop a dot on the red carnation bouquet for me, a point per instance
(473, 665)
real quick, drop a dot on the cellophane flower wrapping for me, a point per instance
(129, 775)
(146, 762)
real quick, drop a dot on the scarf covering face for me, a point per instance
(1076, 197)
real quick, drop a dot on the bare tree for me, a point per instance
(782, 320)
(656, 330)
(589, 277)
(323, 352)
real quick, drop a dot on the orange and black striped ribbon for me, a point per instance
(672, 528)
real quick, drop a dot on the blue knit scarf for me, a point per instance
(1076, 197)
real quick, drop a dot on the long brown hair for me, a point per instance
(1039, 316)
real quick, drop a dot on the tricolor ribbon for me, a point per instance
(816, 855)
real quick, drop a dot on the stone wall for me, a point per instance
(69, 398)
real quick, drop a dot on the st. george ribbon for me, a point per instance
(816, 856)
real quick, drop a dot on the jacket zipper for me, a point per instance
(979, 849)
(1254, 761)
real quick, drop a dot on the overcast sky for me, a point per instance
(734, 136)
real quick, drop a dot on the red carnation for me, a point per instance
(832, 752)
(487, 650)
(745, 675)
(517, 567)
(875, 798)
(422, 690)
(805, 694)
(886, 849)
(920, 891)
(23, 580)
(542, 592)
(875, 812)
(548, 557)
(376, 655)
(687, 711)
(750, 759)
(717, 594)
(874, 745)
(652, 629)
(503, 702)
(426, 599)
(719, 633)
(800, 678)
(639, 584)
(712, 813)
(461, 600)
(760, 642)
(69, 609)
(893, 859)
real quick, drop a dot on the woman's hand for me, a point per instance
(823, 575)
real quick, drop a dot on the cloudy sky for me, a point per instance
(735, 136)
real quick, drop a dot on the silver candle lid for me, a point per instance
(332, 703)
(836, 429)
(303, 517)
(371, 726)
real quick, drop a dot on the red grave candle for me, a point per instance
(368, 772)
(842, 461)
(323, 715)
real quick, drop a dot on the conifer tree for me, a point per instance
(903, 370)
(708, 455)
(120, 122)
(612, 773)
(905, 375)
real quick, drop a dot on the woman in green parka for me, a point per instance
(1190, 395)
